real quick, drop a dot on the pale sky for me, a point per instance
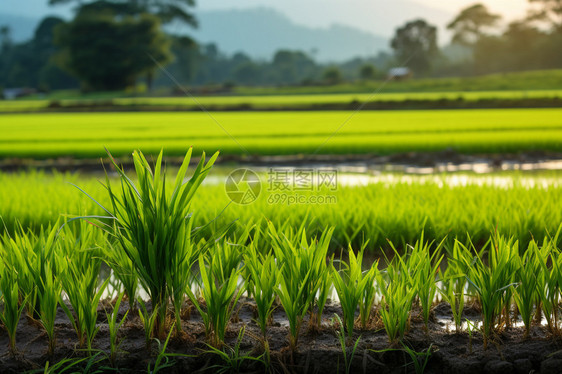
(509, 8)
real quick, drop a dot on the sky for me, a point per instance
(377, 16)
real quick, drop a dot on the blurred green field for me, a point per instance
(281, 133)
(295, 101)
(393, 206)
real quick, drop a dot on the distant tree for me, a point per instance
(415, 44)
(247, 73)
(166, 10)
(548, 11)
(471, 24)
(5, 38)
(290, 67)
(367, 72)
(332, 75)
(109, 52)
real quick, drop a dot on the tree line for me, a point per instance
(115, 44)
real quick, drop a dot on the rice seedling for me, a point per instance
(348, 360)
(397, 299)
(114, 327)
(425, 267)
(123, 270)
(149, 222)
(82, 283)
(302, 265)
(162, 359)
(453, 281)
(526, 295)
(12, 307)
(419, 359)
(148, 320)
(547, 257)
(351, 283)
(49, 300)
(262, 283)
(492, 282)
(232, 359)
(28, 255)
(220, 290)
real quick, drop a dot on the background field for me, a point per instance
(391, 207)
(269, 133)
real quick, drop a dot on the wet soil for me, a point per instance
(318, 351)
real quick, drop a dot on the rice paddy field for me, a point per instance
(281, 133)
(148, 268)
(274, 101)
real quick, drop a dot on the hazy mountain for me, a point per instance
(260, 32)
(21, 28)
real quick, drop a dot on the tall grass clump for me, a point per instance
(150, 219)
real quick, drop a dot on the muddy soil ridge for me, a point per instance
(318, 351)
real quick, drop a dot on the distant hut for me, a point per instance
(400, 74)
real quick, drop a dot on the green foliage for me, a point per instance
(262, 283)
(81, 281)
(151, 225)
(89, 50)
(351, 285)
(303, 272)
(114, 327)
(415, 45)
(12, 307)
(493, 280)
(220, 291)
(348, 360)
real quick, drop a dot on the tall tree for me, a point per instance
(166, 10)
(471, 24)
(109, 52)
(415, 44)
(549, 11)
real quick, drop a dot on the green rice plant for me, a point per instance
(302, 265)
(29, 254)
(397, 298)
(49, 300)
(232, 358)
(150, 223)
(348, 360)
(425, 263)
(491, 281)
(220, 290)
(148, 320)
(114, 327)
(547, 257)
(526, 295)
(123, 269)
(162, 359)
(81, 281)
(350, 283)
(262, 283)
(453, 281)
(419, 359)
(12, 307)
